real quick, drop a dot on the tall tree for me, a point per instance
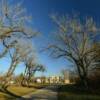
(74, 40)
(31, 67)
(14, 25)
(21, 50)
(14, 22)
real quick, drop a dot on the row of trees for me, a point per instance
(15, 39)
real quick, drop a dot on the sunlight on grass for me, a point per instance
(4, 96)
(17, 90)
(20, 91)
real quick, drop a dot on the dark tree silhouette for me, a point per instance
(73, 41)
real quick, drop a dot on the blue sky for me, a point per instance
(41, 10)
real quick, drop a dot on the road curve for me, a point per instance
(47, 93)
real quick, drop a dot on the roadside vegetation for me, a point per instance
(73, 92)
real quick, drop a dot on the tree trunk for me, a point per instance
(83, 76)
(84, 81)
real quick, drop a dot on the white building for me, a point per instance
(38, 80)
(54, 79)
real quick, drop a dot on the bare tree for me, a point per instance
(74, 40)
(18, 79)
(14, 22)
(30, 70)
(21, 50)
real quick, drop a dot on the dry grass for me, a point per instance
(16, 90)
(4, 96)
(20, 91)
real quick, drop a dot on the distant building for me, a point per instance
(38, 80)
(53, 79)
(66, 77)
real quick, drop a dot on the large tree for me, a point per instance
(14, 26)
(14, 22)
(31, 67)
(74, 40)
(21, 51)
